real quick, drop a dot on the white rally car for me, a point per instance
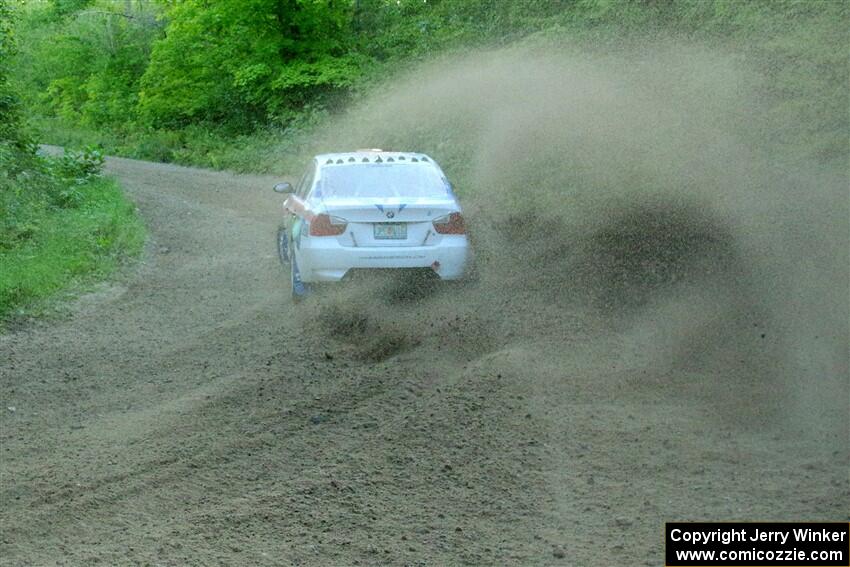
(370, 209)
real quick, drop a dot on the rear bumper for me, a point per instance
(324, 260)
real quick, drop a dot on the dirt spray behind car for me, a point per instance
(643, 197)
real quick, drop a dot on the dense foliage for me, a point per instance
(231, 62)
(182, 80)
(245, 61)
(8, 102)
(83, 62)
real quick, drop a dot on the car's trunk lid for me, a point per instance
(389, 222)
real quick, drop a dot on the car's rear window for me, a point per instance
(381, 180)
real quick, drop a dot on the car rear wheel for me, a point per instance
(282, 246)
(300, 290)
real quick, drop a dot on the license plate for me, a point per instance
(391, 231)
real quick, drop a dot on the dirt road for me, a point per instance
(188, 415)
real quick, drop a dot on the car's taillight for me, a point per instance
(326, 225)
(450, 224)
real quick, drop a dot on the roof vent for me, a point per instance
(379, 160)
(401, 158)
(389, 159)
(351, 159)
(423, 158)
(414, 159)
(365, 160)
(329, 161)
(339, 160)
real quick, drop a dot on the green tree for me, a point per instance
(82, 61)
(9, 106)
(244, 61)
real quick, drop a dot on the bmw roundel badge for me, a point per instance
(390, 214)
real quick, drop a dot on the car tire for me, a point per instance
(283, 246)
(300, 290)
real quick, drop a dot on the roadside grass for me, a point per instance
(72, 248)
(194, 145)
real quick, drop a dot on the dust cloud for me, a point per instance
(629, 212)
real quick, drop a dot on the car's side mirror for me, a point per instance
(283, 188)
